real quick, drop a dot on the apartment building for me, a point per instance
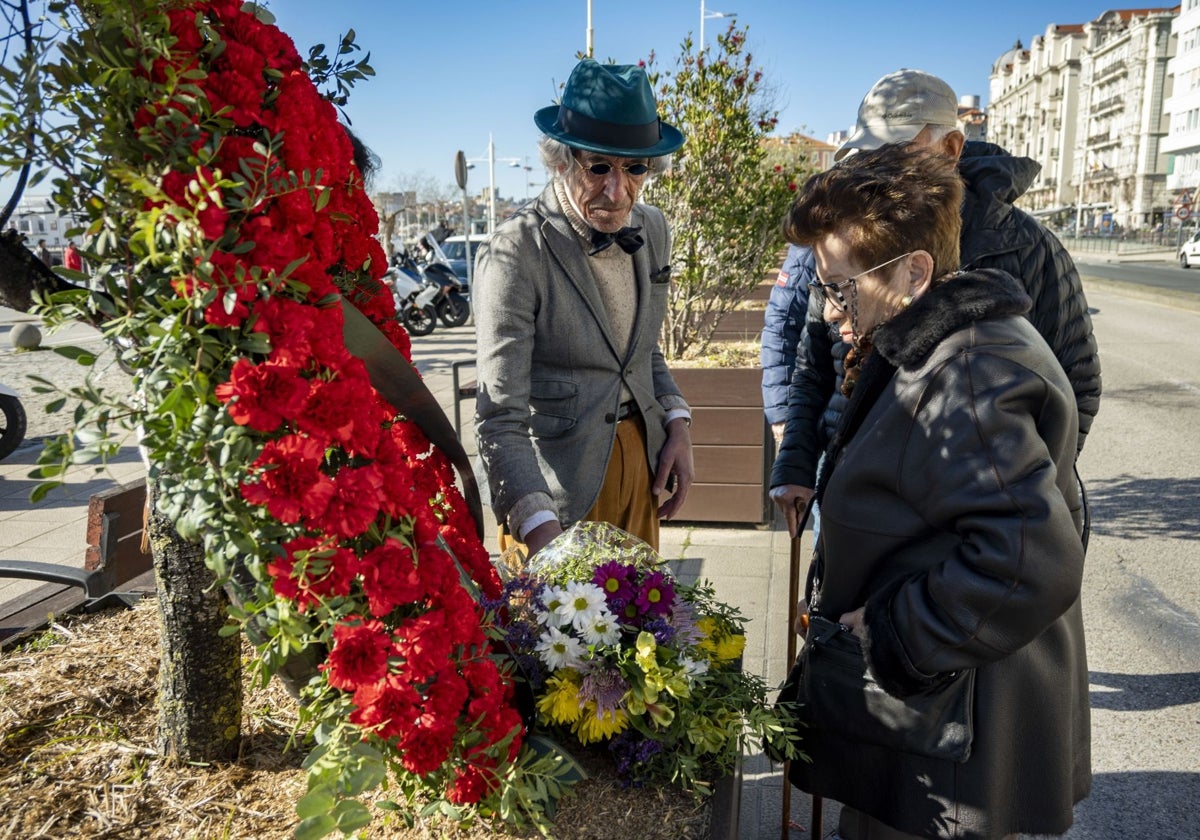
(1086, 102)
(1034, 110)
(1182, 143)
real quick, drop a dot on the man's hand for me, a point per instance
(791, 499)
(675, 465)
(541, 536)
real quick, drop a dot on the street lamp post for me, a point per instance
(491, 161)
(710, 16)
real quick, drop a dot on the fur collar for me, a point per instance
(946, 308)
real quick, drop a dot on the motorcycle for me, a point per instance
(12, 420)
(453, 301)
(412, 296)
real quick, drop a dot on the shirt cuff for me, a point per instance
(676, 413)
(534, 506)
(539, 518)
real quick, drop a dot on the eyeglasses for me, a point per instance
(600, 168)
(833, 291)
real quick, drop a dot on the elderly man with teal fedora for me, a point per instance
(577, 415)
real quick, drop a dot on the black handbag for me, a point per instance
(830, 689)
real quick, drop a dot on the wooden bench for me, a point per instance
(113, 558)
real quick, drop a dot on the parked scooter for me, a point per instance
(12, 420)
(453, 302)
(413, 297)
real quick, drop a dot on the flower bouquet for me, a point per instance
(621, 654)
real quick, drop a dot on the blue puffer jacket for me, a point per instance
(784, 323)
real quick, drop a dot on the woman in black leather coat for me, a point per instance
(950, 544)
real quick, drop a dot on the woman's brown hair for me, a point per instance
(886, 201)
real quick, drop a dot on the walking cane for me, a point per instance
(803, 509)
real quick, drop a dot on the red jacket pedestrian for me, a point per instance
(71, 258)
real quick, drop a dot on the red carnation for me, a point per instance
(390, 577)
(290, 482)
(268, 395)
(387, 708)
(311, 570)
(470, 785)
(359, 655)
(426, 746)
(355, 502)
(424, 644)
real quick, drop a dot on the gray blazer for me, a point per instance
(549, 372)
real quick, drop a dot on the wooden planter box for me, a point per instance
(731, 445)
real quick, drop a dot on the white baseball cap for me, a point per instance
(898, 107)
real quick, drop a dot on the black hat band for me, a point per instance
(609, 134)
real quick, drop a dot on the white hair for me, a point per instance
(557, 156)
(937, 133)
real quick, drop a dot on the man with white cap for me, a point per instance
(578, 416)
(912, 106)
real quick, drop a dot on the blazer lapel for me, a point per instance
(641, 273)
(563, 242)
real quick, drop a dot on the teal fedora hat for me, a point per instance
(609, 109)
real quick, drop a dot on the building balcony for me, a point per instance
(1099, 139)
(1113, 68)
(1054, 151)
(1056, 94)
(1106, 105)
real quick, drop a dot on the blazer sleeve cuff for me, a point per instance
(524, 511)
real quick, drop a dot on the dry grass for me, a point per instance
(78, 757)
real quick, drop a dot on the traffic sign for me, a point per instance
(1183, 211)
(1184, 199)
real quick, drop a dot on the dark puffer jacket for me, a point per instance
(994, 235)
(785, 320)
(997, 235)
(949, 509)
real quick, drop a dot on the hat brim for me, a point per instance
(547, 120)
(868, 137)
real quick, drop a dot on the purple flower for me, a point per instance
(632, 752)
(663, 632)
(604, 685)
(616, 580)
(683, 619)
(656, 595)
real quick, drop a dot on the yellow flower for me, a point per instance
(559, 702)
(719, 643)
(592, 726)
(730, 647)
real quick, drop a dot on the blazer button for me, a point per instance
(610, 418)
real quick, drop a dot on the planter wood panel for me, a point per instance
(730, 444)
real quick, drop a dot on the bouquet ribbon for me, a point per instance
(394, 378)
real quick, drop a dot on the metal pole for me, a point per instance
(701, 47)
(491, 186)
(590, 52)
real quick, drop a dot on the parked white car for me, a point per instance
(1189, 253)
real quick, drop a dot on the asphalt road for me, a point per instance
(1159, 276)
(1141, 466)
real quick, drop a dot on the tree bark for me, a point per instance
(200, 680)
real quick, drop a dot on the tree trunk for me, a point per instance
(200, 681)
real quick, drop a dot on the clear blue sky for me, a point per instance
(451, 71)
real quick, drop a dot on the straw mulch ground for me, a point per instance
(78, 759)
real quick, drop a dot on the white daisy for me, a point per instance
(582, 603)
(558, 650)
(602, 629)
(552, 598)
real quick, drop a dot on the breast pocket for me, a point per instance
(552, 407)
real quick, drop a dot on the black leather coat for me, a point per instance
(951, 512)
